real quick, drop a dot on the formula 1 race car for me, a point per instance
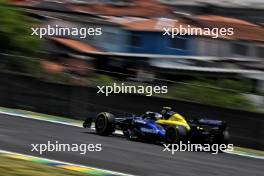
(167, 126)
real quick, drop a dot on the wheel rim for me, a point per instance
(100, 123)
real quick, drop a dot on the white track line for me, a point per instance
(246, 155)
(52, 121)
(46, 120)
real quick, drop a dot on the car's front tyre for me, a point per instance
(104, 124)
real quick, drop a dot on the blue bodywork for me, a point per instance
(148, 128)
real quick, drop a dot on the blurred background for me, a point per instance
(225, 72)
(217, 78)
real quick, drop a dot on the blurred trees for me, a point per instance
(15, 32)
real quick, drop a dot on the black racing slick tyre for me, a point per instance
(223, 138)
(104, 124)
(175, 134)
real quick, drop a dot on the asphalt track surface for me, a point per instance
(119, 154)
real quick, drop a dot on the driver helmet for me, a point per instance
(153, 115)
(167, 112)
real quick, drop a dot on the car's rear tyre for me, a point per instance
(104, 124)
(175, 134)
(225, 137)
(221, 139)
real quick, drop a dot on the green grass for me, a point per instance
(16, 167)
(214, 93)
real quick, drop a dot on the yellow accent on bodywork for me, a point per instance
(175, 119)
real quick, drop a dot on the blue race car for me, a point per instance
(169, 127)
